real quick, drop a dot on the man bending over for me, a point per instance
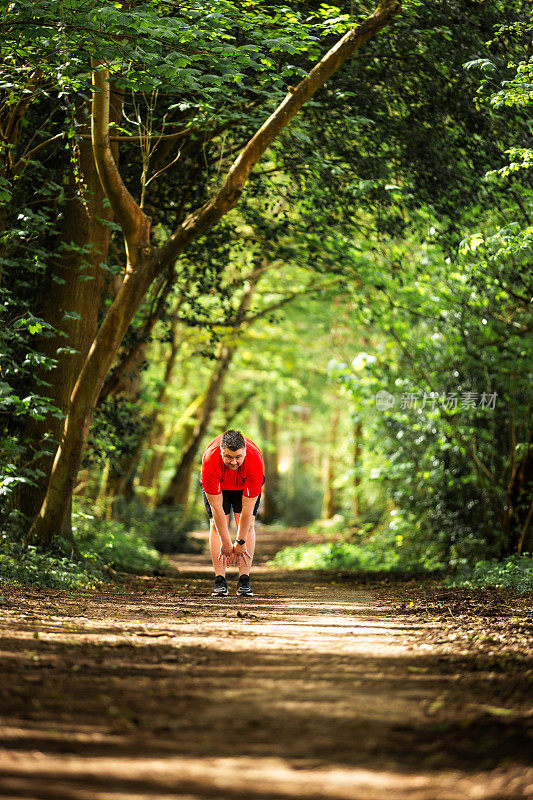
(232, 477)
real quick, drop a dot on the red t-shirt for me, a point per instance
(217, 476)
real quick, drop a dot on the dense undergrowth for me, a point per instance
(383, 551)
(515, 572)
(135, 543)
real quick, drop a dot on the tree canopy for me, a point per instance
(219, 214)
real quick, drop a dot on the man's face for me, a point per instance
(233, 458)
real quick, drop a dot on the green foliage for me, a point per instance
(299, 497)
(381, 553)
(514, 573)
(455, 357)
(165, 528)
(375, 553)
(115, 544)
(27, 566)
(205, 49)
(115, 432)
(19, 401)
(334, 555)
(101, 548)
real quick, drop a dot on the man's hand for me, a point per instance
(226, 553)
(242, 553)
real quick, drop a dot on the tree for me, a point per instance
(145, 263)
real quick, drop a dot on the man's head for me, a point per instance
(233, 449)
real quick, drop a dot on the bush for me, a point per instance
(27, 566)
(381, 551)
(115, 545)
(515, 572)
(164, 528)
(332, 555)
(101, 547)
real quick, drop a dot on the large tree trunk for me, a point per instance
(75, 283)
(145, 264)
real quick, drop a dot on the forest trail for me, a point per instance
(319, 686)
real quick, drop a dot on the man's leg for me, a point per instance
(244, 569)
(214, 546)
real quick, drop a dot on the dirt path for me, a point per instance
(314, 688)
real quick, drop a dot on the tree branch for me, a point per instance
(132, 220)
(26, 157)
(158, 136)
(230, 192)
(288, 299)
(114, 378)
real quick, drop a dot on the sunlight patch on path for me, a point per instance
(266, 778)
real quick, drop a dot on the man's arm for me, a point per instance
(245, 521)
(221, 523)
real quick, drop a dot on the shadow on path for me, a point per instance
(314, 688)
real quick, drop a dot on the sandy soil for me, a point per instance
(320, 686)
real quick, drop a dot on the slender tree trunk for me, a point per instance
(145, 264)
(270, 431)
(231, 413)
(164, 439)
(122, 478)
(358, 446)
(520, 505)
(182, 487)
(178, 488)
(305, 452)
(150, 473)
(330, 504)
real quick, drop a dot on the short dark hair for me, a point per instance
(233, 440)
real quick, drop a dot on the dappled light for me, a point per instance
(266, 454)
(325, 689)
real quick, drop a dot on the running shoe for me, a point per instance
(221, 587)
(243, 586)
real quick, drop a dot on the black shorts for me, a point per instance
(231, 501)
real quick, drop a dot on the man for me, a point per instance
(232, 477)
